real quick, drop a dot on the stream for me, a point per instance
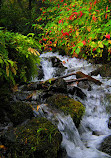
(84, 141)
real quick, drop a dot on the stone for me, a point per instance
(19, 112)
(104, 70)
(77, 92)
(37, 138)
(68, 106)
(106, 145)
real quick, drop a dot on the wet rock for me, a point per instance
(37, 138)
(58, 65)
(22, 95)
(107, 103)
(32, 86)
(68, 106)
(40, 74)
(56, 62)
(19, 112)
(104, 71)
(109, 123)
(97, 133)
(106, 145)
(77, 92)
(84, 85)
(59, 85)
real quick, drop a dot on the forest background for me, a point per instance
(78, 28)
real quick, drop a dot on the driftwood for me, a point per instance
(46, 84)
(80, 74)
(80, 77)
(77, 80)
(52, 80)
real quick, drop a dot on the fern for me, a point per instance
(18, 56)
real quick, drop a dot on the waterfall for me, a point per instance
(82, 142)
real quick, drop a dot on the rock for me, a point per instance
(77, 91)
(40, 74)
(68, 106)
(106, 145)
(59, 85)
(19, 112)
(37, 138)
(97, 133)
(32, 86)
(107, 103)
(109, 123)
(104, 71)
(84, 85)
(58, 65)
(56, 62)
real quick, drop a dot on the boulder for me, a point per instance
(68, 106)
(104, 70)
(59, 85)
(36, 138)
(106, 145)
(19, 112)
(58, 65)
(56, 62)
(77, 92)
(107, 103)
(109, 123)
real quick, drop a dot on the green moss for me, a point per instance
(38, 138)
(19, 112)
(68, 106)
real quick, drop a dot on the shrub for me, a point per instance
(80, 28)
(18, 56)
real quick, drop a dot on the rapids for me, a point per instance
(82, 142)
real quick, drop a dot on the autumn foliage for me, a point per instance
(80, 28)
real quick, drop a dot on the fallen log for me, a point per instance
(46, 84)
(54, 79)
(80, 74)
(77, 80)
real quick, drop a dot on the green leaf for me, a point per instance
(77, 50)
(105, 43)
(11, 62)
(1, 61)
(98, 50)
(92, 35)
(80, 44)
(31, 34)
(50, 81)
(101, 45)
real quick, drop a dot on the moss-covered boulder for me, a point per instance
(19, 112)
(68, 106)
(38, 138)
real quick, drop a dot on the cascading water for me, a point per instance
(81, 143)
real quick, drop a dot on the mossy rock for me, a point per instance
(39, 138)
(68, 106)
(19, 112)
